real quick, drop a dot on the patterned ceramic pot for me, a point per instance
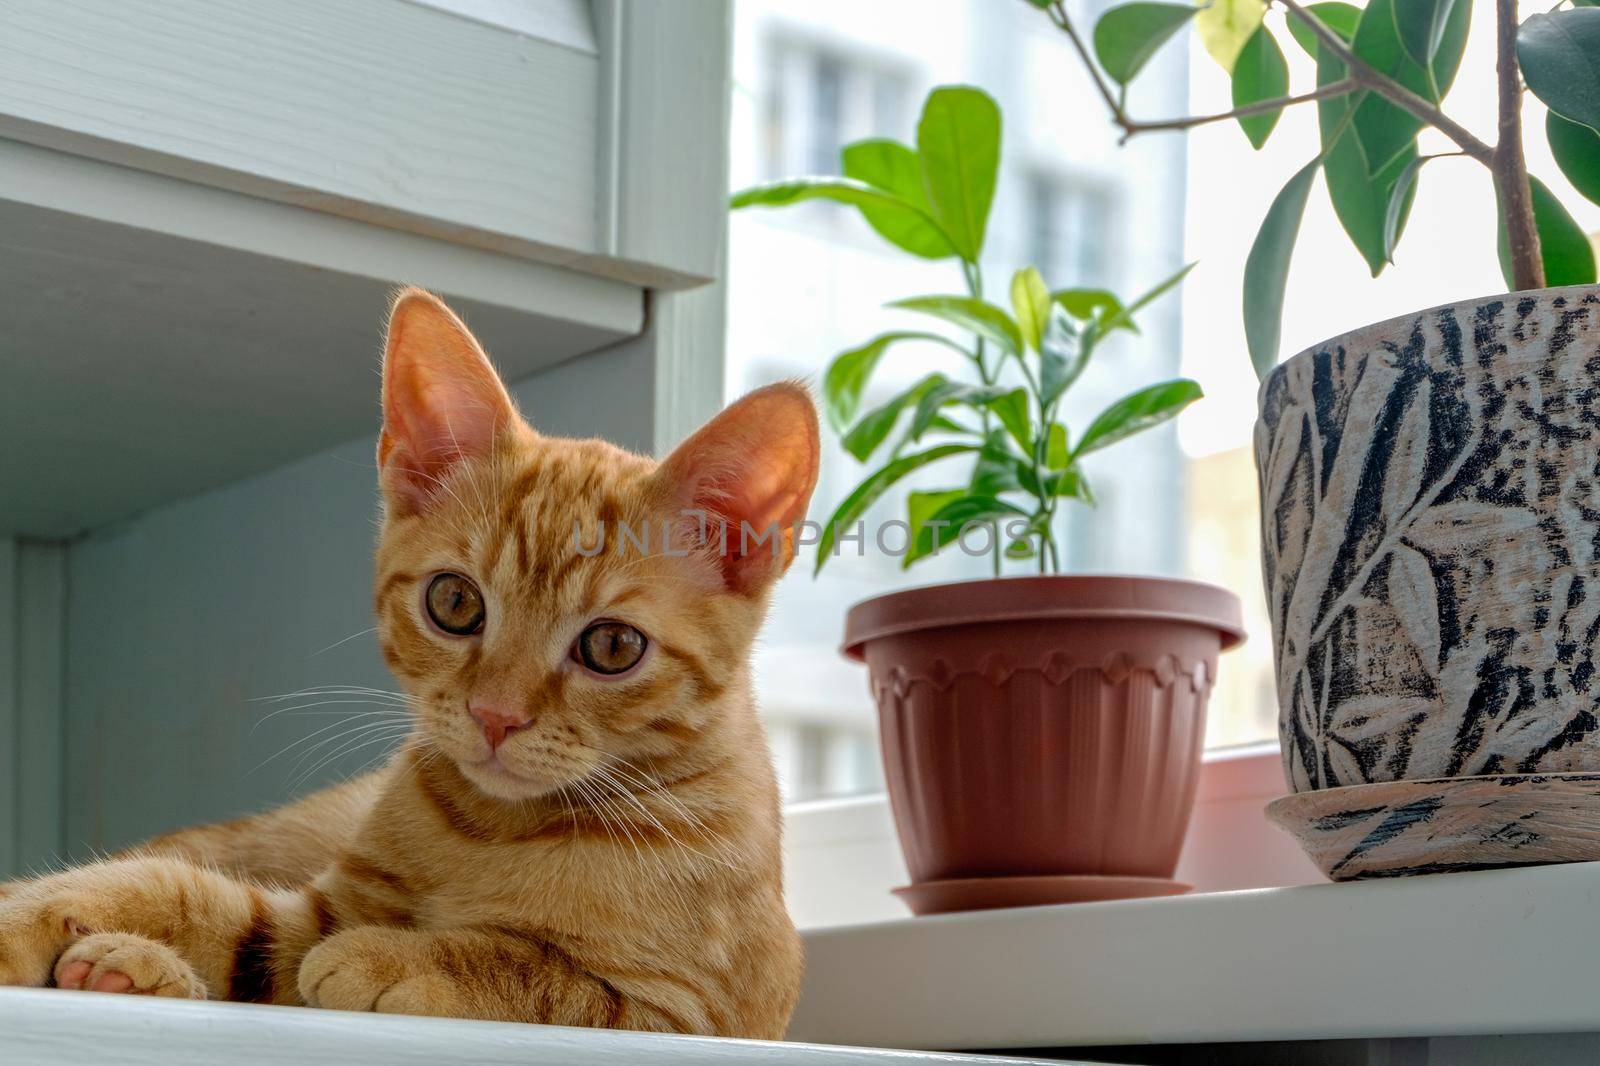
(1431, 543)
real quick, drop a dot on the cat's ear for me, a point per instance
(442, 400)
(750, 471)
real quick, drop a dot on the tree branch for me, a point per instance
(1509, 167)
(1130, 125)
(1369, 78)
(1058, 14)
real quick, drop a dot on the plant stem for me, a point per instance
(1367, 77)
(1504, 160)
(1509, 167)
(973, 273)
(1130, 126)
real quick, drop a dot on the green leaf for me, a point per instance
(1062, 357)
(1129, 34)
(1030, 299)
(1136, 412)
(894, 168)
(1568, 256)
(1056, 453)
(958, 143)
(949, 520)
(1360, 198)
(1560, 57)
(1069, 483)
(1122, 319)
(1089, 305)
(848, 374)
(876, 425)
(1339, 17)
(1260, 73)
(1577, 151)
(795, 190)
(1224, 26)
(920, 507)
(1400, 196)
(1012, 410)
(996, 470)
(1363, 202)
(970, 313)
(1420, 25)
(950, 425)
(1021, 548)
(876, 484)
(948, 392)
(1266, 269)
(1385, 129)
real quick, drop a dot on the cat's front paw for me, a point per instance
(375, 970)
(122, 962)
(32, 934)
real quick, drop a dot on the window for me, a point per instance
(801, 292)
(820, 98)
(1069, 226)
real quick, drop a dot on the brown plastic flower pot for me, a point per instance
(1042, 735)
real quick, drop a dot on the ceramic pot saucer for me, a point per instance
(988, 893)
(1397, 828)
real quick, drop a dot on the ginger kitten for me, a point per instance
(582, 828)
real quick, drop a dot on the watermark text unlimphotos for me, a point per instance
(697, 529)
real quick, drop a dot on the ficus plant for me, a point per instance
(1019, 461)
(1382, 73)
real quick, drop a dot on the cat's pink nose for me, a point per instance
(496, 724)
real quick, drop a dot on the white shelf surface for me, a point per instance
(1489, 952)
(46, 1027)
(159, 338)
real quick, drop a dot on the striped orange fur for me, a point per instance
(554, 842)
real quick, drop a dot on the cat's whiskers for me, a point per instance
(384, 718)
(320, 690)
(372, 733)
(606, 776)
(654, 786)
(588, 795)
(628, 826)
(304, 709)
(607, 783)
(347, 747)
(345, 640)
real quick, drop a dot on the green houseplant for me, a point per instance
(932, 201)
(1422, 683)
(1382, 74)
(1013, 710)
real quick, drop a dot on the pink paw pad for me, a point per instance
(72, 976)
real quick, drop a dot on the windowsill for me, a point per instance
(39, 1026)
(842, 857)
(1490, 952)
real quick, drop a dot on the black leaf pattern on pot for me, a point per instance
(1431, 542)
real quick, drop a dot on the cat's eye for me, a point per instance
(609, 647)
(455, 604)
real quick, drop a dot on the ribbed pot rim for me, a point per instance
(1406, 321)
(1064, 597)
